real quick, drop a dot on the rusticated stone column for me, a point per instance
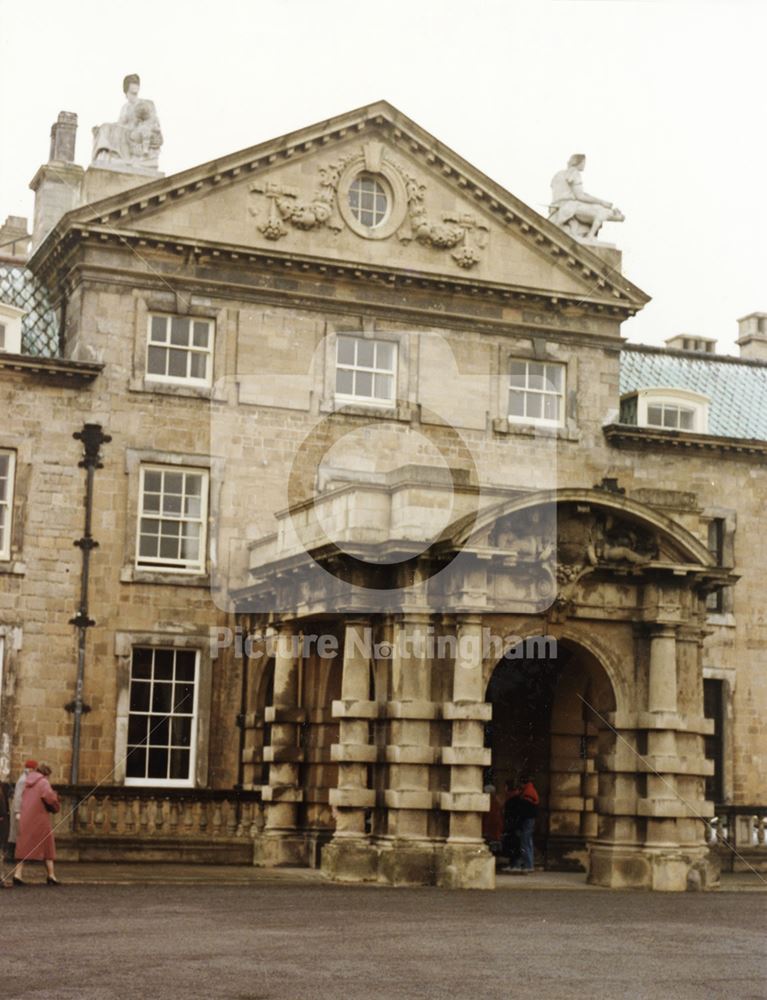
(661, 803)
(408, 850)
(465, 861)
(662, 694)
(281, 842)
(349, 856)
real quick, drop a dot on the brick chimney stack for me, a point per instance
(58, 183)
(753, 336)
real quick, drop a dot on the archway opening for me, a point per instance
(549, 702)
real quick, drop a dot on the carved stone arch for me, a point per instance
(605, 657)
(681, 545)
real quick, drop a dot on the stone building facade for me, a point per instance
(385, 510)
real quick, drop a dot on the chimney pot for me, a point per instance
(691, 342)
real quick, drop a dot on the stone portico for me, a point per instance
(404, 704)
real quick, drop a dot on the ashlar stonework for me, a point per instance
(477, 573)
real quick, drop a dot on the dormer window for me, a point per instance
(10, 329)
(671, 416)
(667, 409)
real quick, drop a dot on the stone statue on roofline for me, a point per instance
(572, 209)
(133, 142)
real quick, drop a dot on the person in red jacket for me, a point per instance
(521, 810)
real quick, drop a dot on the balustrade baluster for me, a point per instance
(153, 814)
(243, 827)
(231, 822)
(130, 817)
(173, 817)
(84, 815)
(143, 817)
(159, 815)
(98, 816)
(217, 820)
(188, 808)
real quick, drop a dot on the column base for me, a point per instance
(350, 860)
(465, 866)
(280, 850)
(659, 869)
(404, 862)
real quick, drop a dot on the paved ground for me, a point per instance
(136, 873)
(296, 938)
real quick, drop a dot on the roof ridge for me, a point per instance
(729, 359)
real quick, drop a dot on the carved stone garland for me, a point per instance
(463, 234)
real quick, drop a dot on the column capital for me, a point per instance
(469, 619)
(663, 630)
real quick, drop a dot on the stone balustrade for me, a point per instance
(149, 824)
(740, 835)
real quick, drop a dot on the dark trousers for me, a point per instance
(524, 855)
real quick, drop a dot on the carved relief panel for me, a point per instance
(375, 197)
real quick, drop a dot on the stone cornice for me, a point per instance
(124, 209)
(554, 308)
(51, 368)
(628, 435)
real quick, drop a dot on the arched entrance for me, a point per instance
(549, 699)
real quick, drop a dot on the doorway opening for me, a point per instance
(548, 723)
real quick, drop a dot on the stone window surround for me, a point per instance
(199, 641)
(171, 303)
(134, 459)
(728, 677)
(545, 351)
(373, 165)
(355, 366)
(189, 348)
(143, 563)
(6, 503)
(23, 467)
(404, 407)
(725, 617)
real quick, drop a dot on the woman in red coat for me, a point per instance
(35, 839)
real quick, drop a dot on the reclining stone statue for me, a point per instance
(572, 209)
(135, 139)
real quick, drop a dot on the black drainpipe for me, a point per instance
(92, 438)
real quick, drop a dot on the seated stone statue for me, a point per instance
(572, 209)
(135, 139)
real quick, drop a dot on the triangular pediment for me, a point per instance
(433, 213)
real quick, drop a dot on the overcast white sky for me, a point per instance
(667, 99)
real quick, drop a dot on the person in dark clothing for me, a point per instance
(520, 812)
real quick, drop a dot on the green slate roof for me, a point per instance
(39, 326)
(737, 390)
